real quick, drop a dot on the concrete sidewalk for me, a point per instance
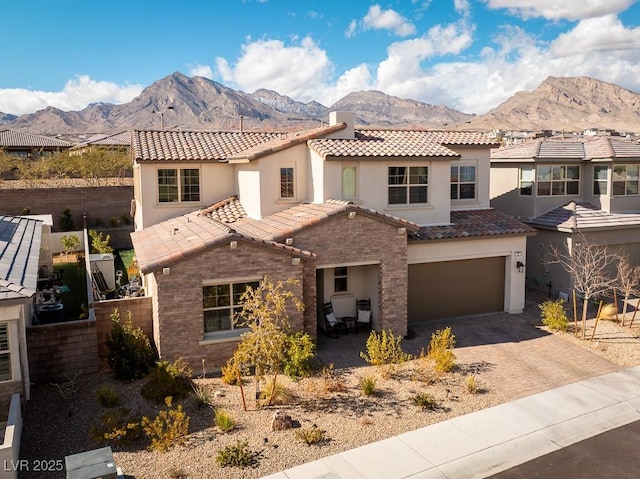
(492, 440)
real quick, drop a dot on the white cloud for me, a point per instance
(201, 71)
(77, 94)
(597, 34)
(462, 7)
(566, 9)
(351, 29)
(378, 19)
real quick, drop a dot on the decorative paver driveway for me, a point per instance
(508, 351)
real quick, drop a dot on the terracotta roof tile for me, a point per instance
(473, 224)
(193, 145)
(227, 211)
(582, 216)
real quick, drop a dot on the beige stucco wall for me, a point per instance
(509, 247)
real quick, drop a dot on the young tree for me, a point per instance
(627, 280)
(264, 312)
(589, 266)
(100, 244)
(69, 243)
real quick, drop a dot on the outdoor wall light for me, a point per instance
(233, 244)
(288, 241)
(520, 266)
(352, 214)
(166, 271)
(295, 261)
(402, 231)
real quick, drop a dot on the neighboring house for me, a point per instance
(28, 145)
(401, 217)
(116, 141)
(571, 191)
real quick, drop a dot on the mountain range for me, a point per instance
(196, 103)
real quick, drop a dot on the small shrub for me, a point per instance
(107, 395)
(26, 210)
(116, 426)
(167, 379)
(367, 385)
(224, 421)
(609, 312)
(332, 383)
(125, 219)
(280, 394)
(100, 244)
(201, 395)
(66, 220)
(423, 369)
(230, 372)
(471, 383)
(300, 350)
(168, 428)
(311, 435)
(384, 348)
(425, 401)
(554, 315)
(440, 350)
(236, 455)
(130, 352)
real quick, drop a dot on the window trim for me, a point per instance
(233, 332)
(530, 182)
(596, 180)
(407, 185)
(340, 277)
(564, 181)
(179, 186)
(8, 352)
(345, 196)
(626, 180)
(281, 183)
(459, 183)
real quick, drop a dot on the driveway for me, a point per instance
(508, 351)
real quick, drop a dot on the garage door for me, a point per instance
(455, 288)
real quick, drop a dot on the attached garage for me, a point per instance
(456, 288)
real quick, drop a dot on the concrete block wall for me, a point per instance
(141, 317)
(59, 351)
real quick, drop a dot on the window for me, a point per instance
(349, 190)
(340, 279)
(557, 180)
(221, 304)
(600, 174)
(625, 180)
(176, 185)
(526, 180)
(5, 353)
(407, 185)
(463, 182)
(286, 183)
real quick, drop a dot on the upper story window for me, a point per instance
(287, 184)
(557, 180)
(600, 176)
(625, 180)
(349, 183)
(526, 180)
(5, 353)
(463, 182)
(341, 279)
(408, 184)
(221, 305)
(176, 185)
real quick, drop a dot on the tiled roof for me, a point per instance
(385, 143)
(118, 139)
(587, 148)
(192, 145)
(10, 138)
(582, 216)
(279, 144)
(20, 240)
(474, 224)
(226, 211)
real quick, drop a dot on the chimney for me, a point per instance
(241, 123)
(347, 117)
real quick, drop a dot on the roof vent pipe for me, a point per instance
(241, 123)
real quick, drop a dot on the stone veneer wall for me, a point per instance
(141, 316)
(99, 202)
(179, 297)
(342, 240)
(60, 351)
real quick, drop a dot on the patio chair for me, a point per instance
(332, 325)
(363, 311)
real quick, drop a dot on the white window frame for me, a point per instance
(179, 186)
(339, 276)
(565, 181)
(458, 183)
(626, 180)
(282, 183)
(407, 185)
(7, 352)
(601, 182)
(526, 184)
(233, 307)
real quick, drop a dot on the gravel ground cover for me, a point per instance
(58, 417)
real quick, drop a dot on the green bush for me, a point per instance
(100, 244)
(440, 350)
(384, 348)
(224, 421)
(554, 315)
(130, 352)
(107, 395)
(311, 435)
(168, 428)
(367, 385)
(116, 425)
(66, 220)
(425, 401)
(236, 455)
(167, 379)
(300, 350)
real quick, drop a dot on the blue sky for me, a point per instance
(470, 55)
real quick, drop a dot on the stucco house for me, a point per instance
(583, 189)
(29, 145)
(400, 217)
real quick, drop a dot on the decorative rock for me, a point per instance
(218, 394)
(281, 422)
